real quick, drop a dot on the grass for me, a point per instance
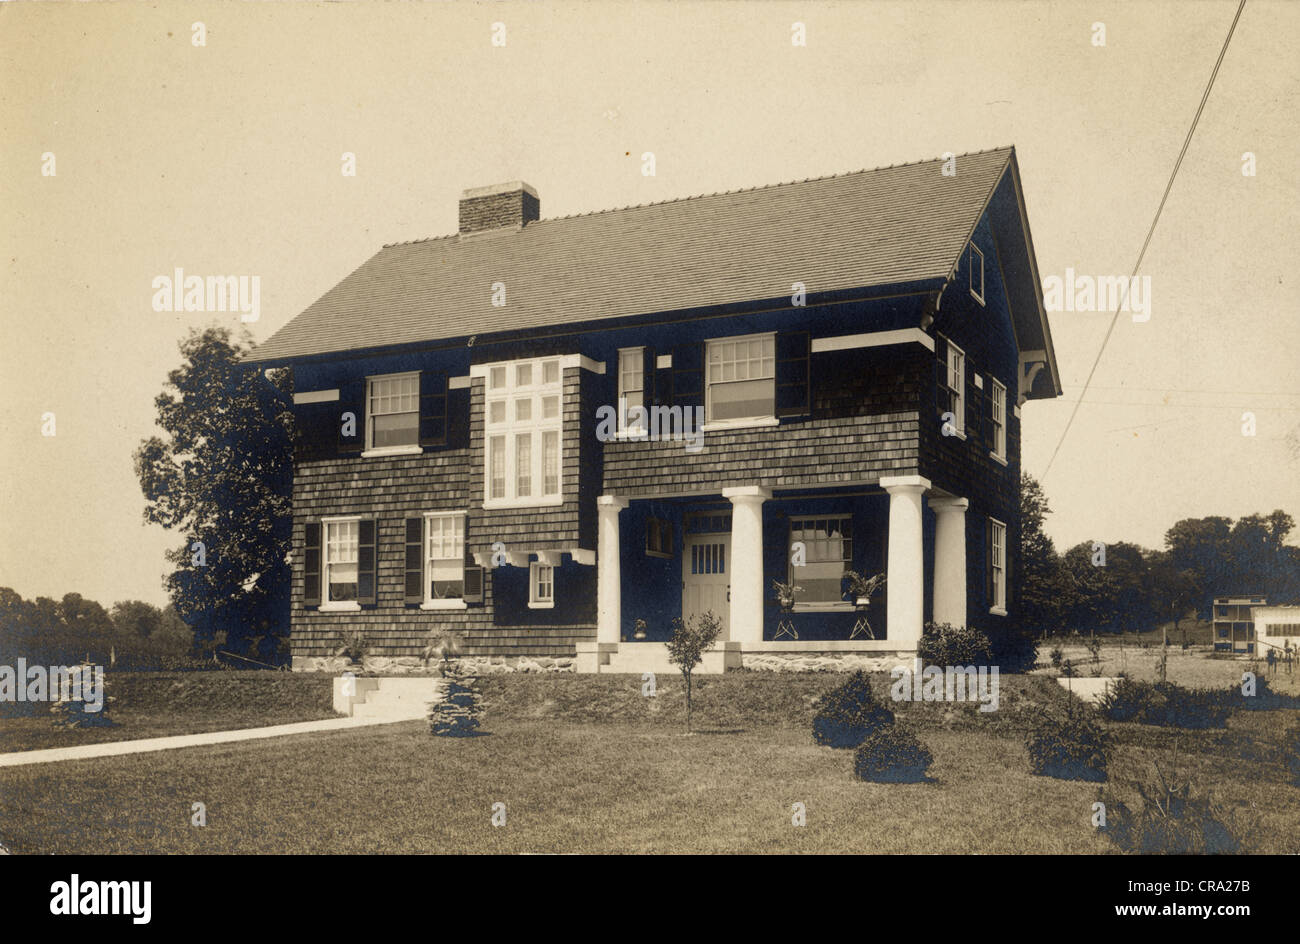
(588, 764)
(158, 704)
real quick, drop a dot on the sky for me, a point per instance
(226, 158)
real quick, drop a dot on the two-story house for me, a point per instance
(540, 431)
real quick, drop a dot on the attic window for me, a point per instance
(976, 260)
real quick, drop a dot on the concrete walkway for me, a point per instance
(116, 748)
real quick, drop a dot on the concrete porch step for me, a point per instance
(640, 657)
(388, 698)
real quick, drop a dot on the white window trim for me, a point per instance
(1001, 426)
(959, 414)
(739, 422)
(536, 426)
(371, 449)
(624, 430)
(822, 606)
(999, 606)
(326, 604)
(971, 259)
(441, 603)
(533, 602)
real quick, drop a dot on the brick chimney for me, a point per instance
(501, 206)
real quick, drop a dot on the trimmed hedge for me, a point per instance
(847, 714)
(891, 754)
(1068, 745)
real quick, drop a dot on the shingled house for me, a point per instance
(858, 348)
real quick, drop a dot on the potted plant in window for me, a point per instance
(786, 594)
(639, 630)
(862, 588)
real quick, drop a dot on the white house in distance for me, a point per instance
(1277, 627)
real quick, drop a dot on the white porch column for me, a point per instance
(950, 560)
(905, 589)
(746, 614)
(609, 587)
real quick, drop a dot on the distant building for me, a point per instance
(1277, 627)
(1234, 623)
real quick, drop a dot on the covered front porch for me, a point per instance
(661, 558)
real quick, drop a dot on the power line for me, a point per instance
(1150, 232)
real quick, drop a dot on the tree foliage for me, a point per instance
(222, 476)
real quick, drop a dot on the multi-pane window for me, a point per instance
(741, 378)
(444, 556)
(523, 424)
(541, 585)
(658, 537)
(342, 540)
(954, 388)
(631, 389)
(827, 553)
(393, 411)
(976, 259)
(998, 406)
(998, 564)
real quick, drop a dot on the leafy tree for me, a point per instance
(1044, 588)
(1201, 546)
(690, 638)
(136, 618)
(84, 617)
(223, 476)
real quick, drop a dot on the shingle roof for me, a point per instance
(885, 226)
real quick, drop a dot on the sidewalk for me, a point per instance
(116, 748)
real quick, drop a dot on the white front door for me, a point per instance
(706, 559)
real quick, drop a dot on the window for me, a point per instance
(541, 586)
(954, 388)
(976, 260)
(523, 424)
(631, 389)
(998, 405)
(393, 411)
(658, 537)
(444, 557)
(997, 567)
(741, 379)
(342, 542)
(828, 552)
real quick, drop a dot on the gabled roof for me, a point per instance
(901, 224)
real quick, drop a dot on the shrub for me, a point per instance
(1067, 744)
(848, 713)
(457, 714)
(945, 644)
(1168, 820)
(1166, 704)
(1056, 655)
(890, 754)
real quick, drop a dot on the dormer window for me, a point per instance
(975, 262)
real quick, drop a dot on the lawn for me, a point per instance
(158, 704)
(589, 764)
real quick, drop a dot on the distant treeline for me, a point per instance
(133, 634)
(1122, 587)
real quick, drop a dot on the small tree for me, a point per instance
(457, 714)
(687, 645)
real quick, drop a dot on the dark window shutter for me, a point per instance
(311, 564)
(433, 408)
(473, 584)
(414, 560)
(458, 417)
(688, 375)
(648, 394)
(352, 399)
(366, 562)
(793, 374)
(1006, 568)
(667, 534)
